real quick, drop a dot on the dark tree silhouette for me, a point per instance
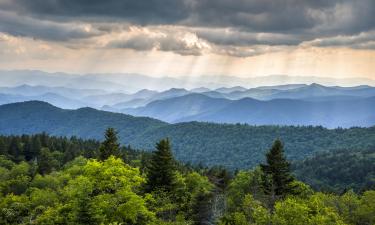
(161, 171)
(277, 176)
(110, 146)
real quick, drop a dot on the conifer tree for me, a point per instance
(3, 148)
(46, 161)
(161, 171)
(110, 145)
(15, 149)
(277, 177)
(36, 145)
(27, 150)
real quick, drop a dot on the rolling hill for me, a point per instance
(234, 146)
(331, 113)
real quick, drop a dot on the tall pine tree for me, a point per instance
(110, 146)
(277, 177)
(3, 147)
(161, 170)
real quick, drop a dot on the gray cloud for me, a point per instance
(257, 15)
(222, 36)
(364, 40)
(182, 43)
(17, 25)
(233, 25)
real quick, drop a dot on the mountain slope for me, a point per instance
(174, 109)
(331, 113)
(52, 98)
(28, 90)
(234, 146)
(339, 170)
(35, 116)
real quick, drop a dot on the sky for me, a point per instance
(245, 38)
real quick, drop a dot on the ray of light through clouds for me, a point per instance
(334, 38)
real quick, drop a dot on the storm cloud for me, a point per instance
(234, 27)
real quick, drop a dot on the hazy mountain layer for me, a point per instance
(234, 146)
(333, 112)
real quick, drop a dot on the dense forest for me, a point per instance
(339, 170)
(59, 180)
(235, 146)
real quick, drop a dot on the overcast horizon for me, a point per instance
(247, 39)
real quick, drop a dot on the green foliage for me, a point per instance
(243, 146)
(88, 192)
(47, 189)
(303, 207)
(235, 146)
(338, 171)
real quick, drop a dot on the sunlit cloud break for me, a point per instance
(296, 36)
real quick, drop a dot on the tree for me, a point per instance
(161, 171)
(15, 149)
(277, 177)
(27, 150)
(3, 148)
(110, 145)
(46, 161)
(202, 213)
(36, 145)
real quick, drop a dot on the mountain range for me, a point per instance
(292, 104)
(231, 145)
(329, 113)
(129, 83)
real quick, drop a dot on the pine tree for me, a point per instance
(3, 148)
(45, 161)
(201, 210)
(277, 177)
(15, 150)
(110, 145)
(161, 171)
(27, 150)
(36, 145)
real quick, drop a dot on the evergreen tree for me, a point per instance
(46, 161)
(277, 177)
(161, 170)
(27, 150)
(110, 145)
(3, 148)
(202, 213)
(36, 145)
(15, 149)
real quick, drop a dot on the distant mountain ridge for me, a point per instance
(118, 82)
(234, 146)
(331, 113)
(292, 104)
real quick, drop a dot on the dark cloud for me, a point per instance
(364, 40)
(232, 24)
(140, 12)
(17, 25)
(257, 15)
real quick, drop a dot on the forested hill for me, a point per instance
(233, 146)
(339, 170)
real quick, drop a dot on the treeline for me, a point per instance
(114, 185)
(235, 146)
(118, 185)
(51, 153)
(241, 146)
(338, 171)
